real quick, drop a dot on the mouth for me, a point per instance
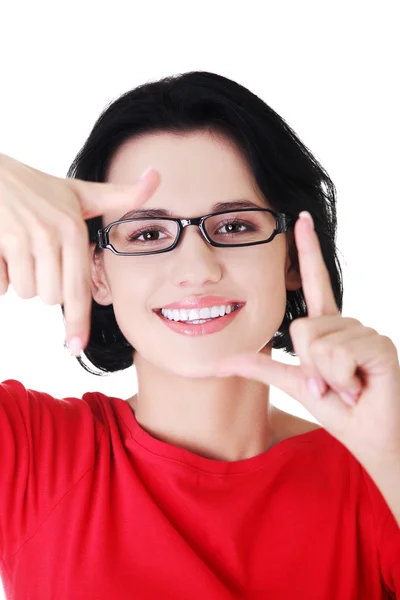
(192, 325)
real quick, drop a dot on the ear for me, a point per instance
(101, 291)
(292, 267)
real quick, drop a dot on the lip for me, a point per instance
(184, 328)
(203, 302)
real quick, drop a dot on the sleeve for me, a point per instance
(390, 554)
(46, 445)
(388, 538)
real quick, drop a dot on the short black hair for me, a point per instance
(285, 170)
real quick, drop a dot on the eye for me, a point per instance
(231, 226)
(149, 235)
(235, 226)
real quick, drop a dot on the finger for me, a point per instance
(98, 198)
(20, 262)
(306, 331)
(292, 381)
(47, 253)
(288, 378)
(77, 295)
(315, 278)
(336, 357)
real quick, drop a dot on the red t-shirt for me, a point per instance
(93, 506)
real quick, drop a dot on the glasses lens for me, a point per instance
(143, 235)
(240, 227)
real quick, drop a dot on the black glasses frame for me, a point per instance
(283, 221)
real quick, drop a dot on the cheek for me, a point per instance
(132, 281)
(133, 313)
(264, 281)
(134, 293)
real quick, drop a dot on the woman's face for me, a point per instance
(197, 170)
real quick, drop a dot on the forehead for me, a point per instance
(197, 170)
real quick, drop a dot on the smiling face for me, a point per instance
(197, 171)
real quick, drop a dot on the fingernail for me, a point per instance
(143, 175)
(348, 398)
(75, 345)
(306, 215)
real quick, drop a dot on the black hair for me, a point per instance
(286, 172)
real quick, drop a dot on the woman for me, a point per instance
(195, 487)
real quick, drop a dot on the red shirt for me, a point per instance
(93, 507)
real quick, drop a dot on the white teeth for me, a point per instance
(214, 311)
(194, 315)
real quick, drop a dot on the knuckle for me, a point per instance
(46, 235)
(333, 352)
(387, 342)
(371, 330)
(14, 240)
(26, 288)
(341, 353)
(25, 294)
(351, 321)
(298, 325)
(319, 347)
(50, 299)
(73, 226)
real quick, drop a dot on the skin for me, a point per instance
(179, 400)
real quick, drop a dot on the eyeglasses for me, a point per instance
(227, 229)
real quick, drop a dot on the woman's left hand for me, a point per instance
(345, 356)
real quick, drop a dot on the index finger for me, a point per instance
(96, 199)
(76, 288)
(314, 274)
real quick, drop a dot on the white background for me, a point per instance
(328, 68)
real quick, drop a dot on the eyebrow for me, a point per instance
(161, 212)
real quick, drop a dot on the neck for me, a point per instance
(227, 419)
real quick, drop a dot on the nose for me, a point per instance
(195, 262)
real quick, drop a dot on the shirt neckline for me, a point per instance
(166, 451)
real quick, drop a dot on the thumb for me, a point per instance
(96, 198)
(288, 378)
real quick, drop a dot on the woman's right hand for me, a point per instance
(44, 240)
